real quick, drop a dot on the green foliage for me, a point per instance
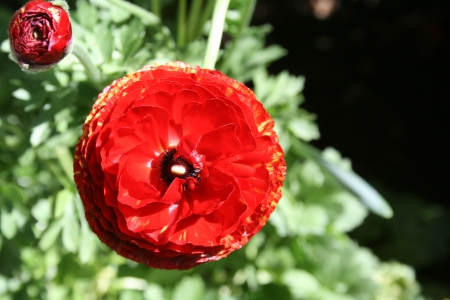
(48, 250)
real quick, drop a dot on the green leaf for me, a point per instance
(15, 195)
(355, 184)
(65, 159)
(41, 211)
(130, 38)
(284, 218)
(22, 94)
(118, 14)
(8, 225)
(49, 237)
(63, 199)
(303, 128)
(193, 284)
(313, 219)
(88, 245)
(278, 90)
(104, 34)
(301, 283)
(154, 292)
(70, 229)
(86, 14)
(353, 213)
(40, 133)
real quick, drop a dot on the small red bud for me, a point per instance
(40, 35)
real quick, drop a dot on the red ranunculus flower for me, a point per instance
(40, 35)
(178, 166)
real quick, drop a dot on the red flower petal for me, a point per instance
(178, 166)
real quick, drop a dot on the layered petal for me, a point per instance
(178, 166)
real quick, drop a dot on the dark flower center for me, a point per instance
(37, 34)
(174, 166)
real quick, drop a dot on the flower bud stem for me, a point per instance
(215, 35)
(93, 73)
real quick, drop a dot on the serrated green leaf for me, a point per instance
(104, 34)
(87, 15)
(304, 129)
(130, 39)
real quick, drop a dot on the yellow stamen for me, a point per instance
(178, 169)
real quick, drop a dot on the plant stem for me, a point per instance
(207, 11)
(156, 8)
(246, 13)
(181, 29)
(147, 17)
(193, 19)
(93, 73)
(215, 35)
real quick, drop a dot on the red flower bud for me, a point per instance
(40, 35)
(178, 166)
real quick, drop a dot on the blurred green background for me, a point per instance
(371, 69)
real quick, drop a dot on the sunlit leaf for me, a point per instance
(8, 225)
(301, 283)
(366, 193)
(49, 237)
(193, 284)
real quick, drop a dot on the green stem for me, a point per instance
(156, 8)
(93, 73)
(246, 13)
(181, 29)
(215, 35)
(207, 11)
(193, 20)
(147, 17)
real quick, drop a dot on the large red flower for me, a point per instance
(40, 35)
(178, 166)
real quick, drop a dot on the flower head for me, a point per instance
(177, 166)
(40, 35)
